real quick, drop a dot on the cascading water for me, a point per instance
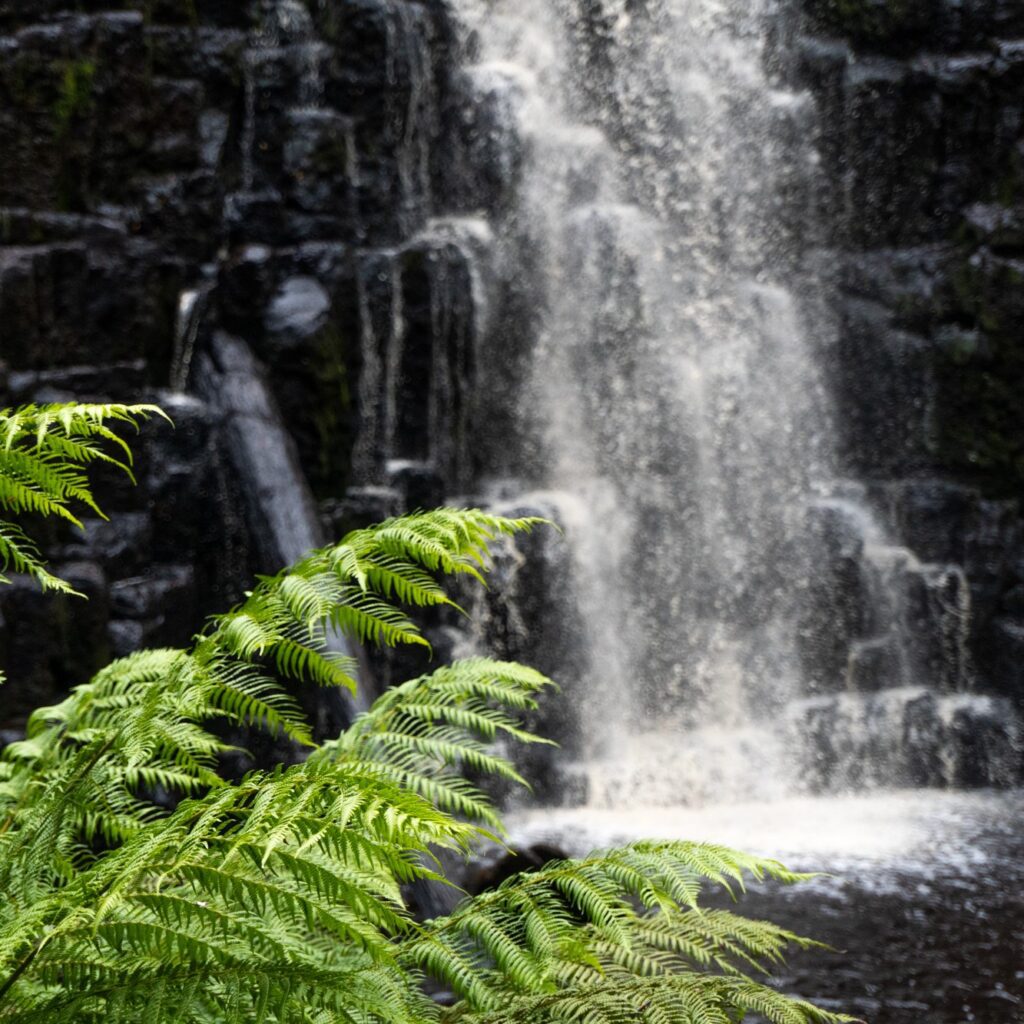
(745, 629)
(191, 308)
(740, 602)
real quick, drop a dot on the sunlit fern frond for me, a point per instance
(428, 731)
(669, 941)
(45, 451)
(153, 710)
(577, 921)
(18, 553)
(687, 998)
(291, 878)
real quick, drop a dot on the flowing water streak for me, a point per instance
(282, 510)
(188, 322)
(248, 140)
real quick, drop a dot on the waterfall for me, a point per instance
(284, 513)
(741, 601)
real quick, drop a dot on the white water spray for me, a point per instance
(687, 432)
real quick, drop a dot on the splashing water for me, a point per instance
(739, 599)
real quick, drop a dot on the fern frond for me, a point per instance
(140, 886)
(154, 709)
(577, 920)
(19, 554)
(678, 999)
(426, 732)
(44, 451)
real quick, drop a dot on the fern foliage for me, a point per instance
(142, 886)
(577, 938)
(45, 453)
(424, 733)
(149, 714)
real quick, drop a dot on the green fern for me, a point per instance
(575, 925)
(424, 733)
(149, 710)
(141, 886)
(45, 451)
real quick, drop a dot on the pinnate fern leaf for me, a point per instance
(141, 886)
(44, 452)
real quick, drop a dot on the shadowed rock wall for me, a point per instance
(923, 147)
(174, 168)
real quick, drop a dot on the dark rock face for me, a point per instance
(923, 136)
(169, 169)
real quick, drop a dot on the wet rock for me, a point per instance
(875, 665)
(57, 300)
(1000, 228)
(934, 517)
(120, 545)
(909, 283)
(209, 54)
(983, 737)
(490, 140)
(255, 217)
(184, 210)
(834, 608)
(306, 348)
(881, 381)
(33, 669)
(361, 507)
(894, 118)
(907, 26)
(395, 59)
(496, 866)
(61, 83)
(83, 622)
(299, 309)
(1001, 656)
(419, 484)
(213, 136)
(51, 642)
(163, 601)
(125, 637)
(433, 387)
(912, 736)
(994, 539)
(1012, 601)
(318, 157)
(936, 624)
(121, 381)
(196, 502)
(246, 282)
(529, 613)
(176, 107)
(922, 742)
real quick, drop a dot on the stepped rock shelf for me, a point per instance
(345, 194)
